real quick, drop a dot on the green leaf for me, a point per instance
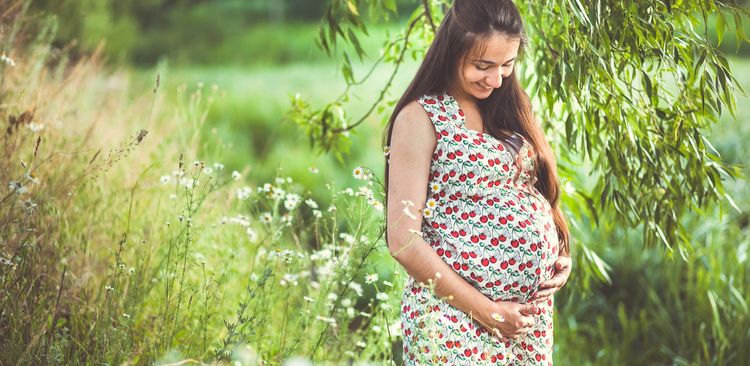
(352, 7)
(720, 24)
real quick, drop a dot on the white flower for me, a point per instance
(390, 284)
(371, 278)
(497, 317)
(172, 196)
(568, 188)
(331, 208)
(236, 175)
(356, 287)
(109, 288)
(295, 361)
(427, 212)
(382, 296)
(317, 214)
(287, 219)
(314, 284)
(126, 315)
(266, 218)
(244, 193)
(365, 192)
(326, 319)
(332, 296)
(375, 204)
(346, 302)
(218, 166)
(348, 191)
(291, 201)
(308, 298)
(164, 179)
(9, 61)
(361, 344)
(313, 170)
(277, 193)
(360, 173)
(16, 187)
(251, 234)
(35, 127)
(310, 202)
(435, 187)
(280, 180)
(208, 170)
(431, 203)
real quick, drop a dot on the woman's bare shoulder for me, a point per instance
(412, 124)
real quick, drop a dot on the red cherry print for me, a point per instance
(504, 265)
(512, 261)
(493, 259)
(485, 262)
(457, 138)
(465, 255)
(495, 242)
(472, 254)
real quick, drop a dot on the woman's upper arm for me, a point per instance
(413, 142)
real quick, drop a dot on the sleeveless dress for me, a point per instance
(485, 219)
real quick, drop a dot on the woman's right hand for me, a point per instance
(510, 319)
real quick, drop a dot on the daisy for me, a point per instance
(431, 203)
(371, 278)
(236, 175)
(360, 173)
(164, 179)
(266, 218)
(313, 170)
(426, 212)
(435, 187)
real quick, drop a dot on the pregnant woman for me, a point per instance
(472, 200)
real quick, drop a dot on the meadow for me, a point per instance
(172, 215)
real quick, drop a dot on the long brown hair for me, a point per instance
(462, 33)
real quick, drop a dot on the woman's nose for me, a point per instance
(496, 80)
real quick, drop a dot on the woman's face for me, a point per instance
(478, 77)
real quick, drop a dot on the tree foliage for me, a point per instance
(626, 91)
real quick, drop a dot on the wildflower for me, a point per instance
(131, 271)
(218, 166)
(277, 193)
(365, 192)
(361, 344)
(382, 296)
(188, 182)
(332, 296)
(310, 202)
(427, 212)
(435, 187)
(348, 238)
(371, 278)
(236, 175)
(172, 196)
(376, 204)
(35, 127)
(244, 193)
(266, 218)
(291, 201)
(164, 179)
(287, 219)
(431, 203)
(16, 187)
(315, 284)
(313, 170)
(208, 170)
(331, 208)
(109, 288)
(197, 163)
(126, 315)
(568, 188)
(376, 328)
(348, 191)
(360, 173)
(308, 298)
(280, 180)
(356, 287)
(346, 302)
(497, 317)
(9, 61)
(317, 214)
(28, 205)
(251, 234)
(390, 284)
(326, 319)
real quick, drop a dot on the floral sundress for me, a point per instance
(485, 219)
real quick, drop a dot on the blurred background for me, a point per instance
(259, 53)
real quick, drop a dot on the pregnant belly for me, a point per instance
(504, 245)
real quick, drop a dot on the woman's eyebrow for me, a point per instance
(493, 63)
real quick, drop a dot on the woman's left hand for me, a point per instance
(549, 287)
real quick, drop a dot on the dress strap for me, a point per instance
(442, 115)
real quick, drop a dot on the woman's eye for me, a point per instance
(482, 67)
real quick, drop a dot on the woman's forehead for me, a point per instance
(495, 48)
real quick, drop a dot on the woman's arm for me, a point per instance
(413, 142)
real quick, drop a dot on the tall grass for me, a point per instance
(120, 244)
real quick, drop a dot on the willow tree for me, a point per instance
(626, 91)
